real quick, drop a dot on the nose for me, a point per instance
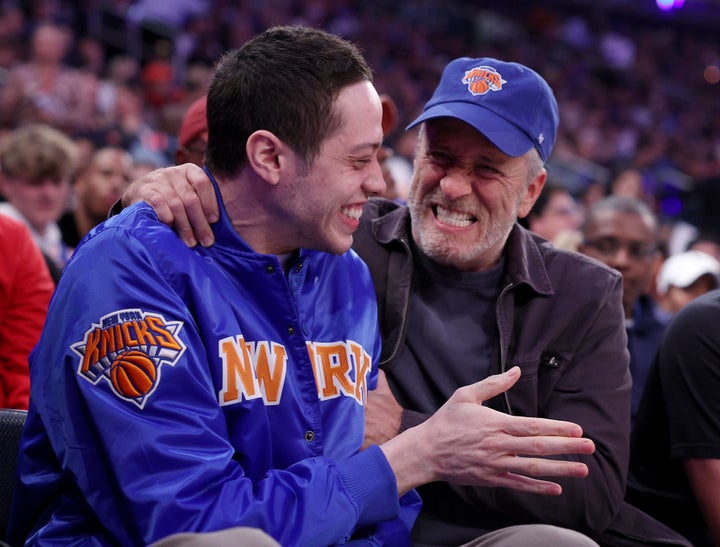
(621, 259)
(374, 183)
(455, 184)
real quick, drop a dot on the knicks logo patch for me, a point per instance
(126, 348)
(482, 79)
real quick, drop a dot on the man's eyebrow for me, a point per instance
(365, 146)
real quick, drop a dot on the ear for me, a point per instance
(267, 155)
(532, 192)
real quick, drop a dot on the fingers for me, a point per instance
(522, 483)
(182, 197)
(205, 191)
(497, 384)
(488, 388)
(194, 206)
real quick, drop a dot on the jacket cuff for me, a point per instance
(370, 481)
(410, 418)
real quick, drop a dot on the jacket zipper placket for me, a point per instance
(503, 345)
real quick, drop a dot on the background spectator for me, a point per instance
(675, 446)
(685, 276)
(96, 187)
(45, 90)
(622, 233)
(36, 165)
(25, 291)
(555, 215)
(193, 135)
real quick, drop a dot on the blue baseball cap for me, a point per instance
(509, 103)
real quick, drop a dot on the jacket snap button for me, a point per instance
(309, 436)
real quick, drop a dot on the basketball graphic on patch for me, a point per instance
(133, 374)
(479, 87)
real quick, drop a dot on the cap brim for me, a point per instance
(503, 134)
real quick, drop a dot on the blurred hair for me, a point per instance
(621, 204)
(38, 151)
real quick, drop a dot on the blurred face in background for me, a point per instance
(104, 180)
(628, 243)
(561, 214)
(41, 201)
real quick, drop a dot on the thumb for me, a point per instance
(491, 386)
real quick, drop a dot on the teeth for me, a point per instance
(353, 212)
(453, 218)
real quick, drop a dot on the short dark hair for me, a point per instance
(285, 80)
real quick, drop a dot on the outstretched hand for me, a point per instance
(467, 443)
(182, 197)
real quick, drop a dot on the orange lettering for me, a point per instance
(271, 379)
(127, 336)
(363, 363)
(335, 369)
(143, 336)
(237, 366)
(164, 337)
(92, 352)
(107, 339)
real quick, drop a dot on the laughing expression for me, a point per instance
(466, 195)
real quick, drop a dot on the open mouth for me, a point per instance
(453, 218)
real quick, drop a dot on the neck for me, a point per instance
(254, 218)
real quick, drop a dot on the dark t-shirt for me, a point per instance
(451, 341)
(451, 333)
(679, 418)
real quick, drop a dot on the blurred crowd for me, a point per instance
(93, 95)
(634, 92)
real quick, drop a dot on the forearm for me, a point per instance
(704, 477)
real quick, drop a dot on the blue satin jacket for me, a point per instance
(178, 389)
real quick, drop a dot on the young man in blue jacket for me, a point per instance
(198, 390)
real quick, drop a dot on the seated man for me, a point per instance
(464, 293)
(622, 232)
(675, 449)
(195, 390)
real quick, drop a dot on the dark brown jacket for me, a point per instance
(560, 318)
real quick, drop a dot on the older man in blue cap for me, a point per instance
(464, 292)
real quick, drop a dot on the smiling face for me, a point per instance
(466, 194)
(323, 203)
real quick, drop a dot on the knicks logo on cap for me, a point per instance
(126, 348)
(482, 79)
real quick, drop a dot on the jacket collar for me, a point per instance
(525, 264)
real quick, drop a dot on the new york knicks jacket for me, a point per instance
(178, 389)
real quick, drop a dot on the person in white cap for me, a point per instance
(685, 276)
(464, 292)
